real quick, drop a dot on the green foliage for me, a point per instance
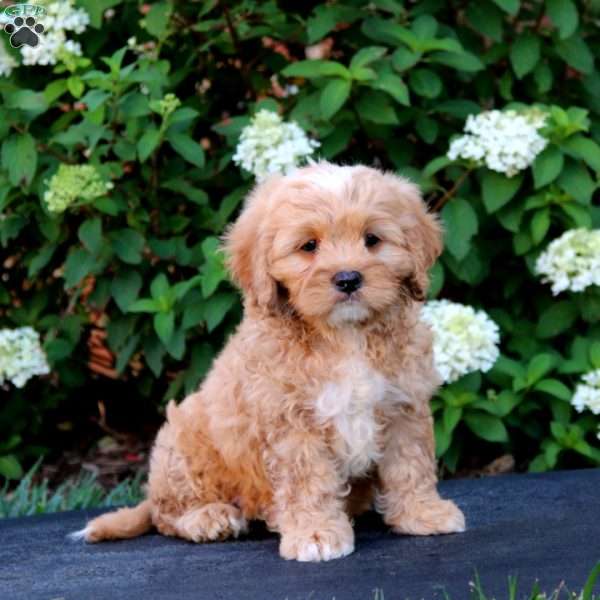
(162, 125)
(35, 498)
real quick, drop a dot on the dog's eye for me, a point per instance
(310, 246)
(371, 240)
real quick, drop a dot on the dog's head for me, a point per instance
(337, 244)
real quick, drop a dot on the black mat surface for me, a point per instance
(544, 527)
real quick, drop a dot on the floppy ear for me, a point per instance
(423, 232)
(247, 244)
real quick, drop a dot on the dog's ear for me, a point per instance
(246, 245)
(423, 233)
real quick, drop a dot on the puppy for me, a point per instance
(319, 404)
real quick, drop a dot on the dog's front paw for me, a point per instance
(314, 545)
(429, 517)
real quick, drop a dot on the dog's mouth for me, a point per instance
(353, 298)
(349, 308)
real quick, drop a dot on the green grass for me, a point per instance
(31, 498)
(478, 593)
(561, 593)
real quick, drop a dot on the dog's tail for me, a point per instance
(121, 524)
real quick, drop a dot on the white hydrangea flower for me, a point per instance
(587, 394)
(571, 261)
(464, 340)
(61, 17)
(506, 142)
(269, 145)
(7, 62)
(21, 356)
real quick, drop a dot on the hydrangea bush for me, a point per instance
(129, 139)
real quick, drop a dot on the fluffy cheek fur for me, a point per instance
(386, 276)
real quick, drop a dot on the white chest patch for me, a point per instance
(349, 404)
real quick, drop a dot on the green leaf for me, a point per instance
(451, 417)
(461, 61)
(427, 129)
(40, 260)
(176, 345)
(96, 9)
(216, 308)
(90, 234)
(509, 6)
(443, 438)
(424, 27)
(325, 17)
(435, 165)
(213, 271)
(186, 147)
(556, 319)
(316, 68)
(202, 357)
(30, 102)
(540, 225)
(543, 77)
(564, 16)
(159, 288)
(404, 59)
(365, 56)
(547, 166)
(125, 288)
(78, 265)
(585, 149)
(436, 279)
(128, 245)
(497, 189)
(525, 53)
(76, 86)
(487, 427)
(538, 366)
(576, 53)
(375, 107)
(164, 324)
(10, 467)
(486, 19)
(334, 96)
(126, 352)
(595, 355)
(425, 82)
(555, 388)
(148, 143)
(394, 86)
(461, 225)
(158, 18)
(19, 158)
(576, 181)
(154, 353)
(388, 32)
(144, 305)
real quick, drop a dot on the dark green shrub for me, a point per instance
(159, 120)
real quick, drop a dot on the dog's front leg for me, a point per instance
(408, 497)
(308, 500)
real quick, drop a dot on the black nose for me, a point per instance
(347, 281)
